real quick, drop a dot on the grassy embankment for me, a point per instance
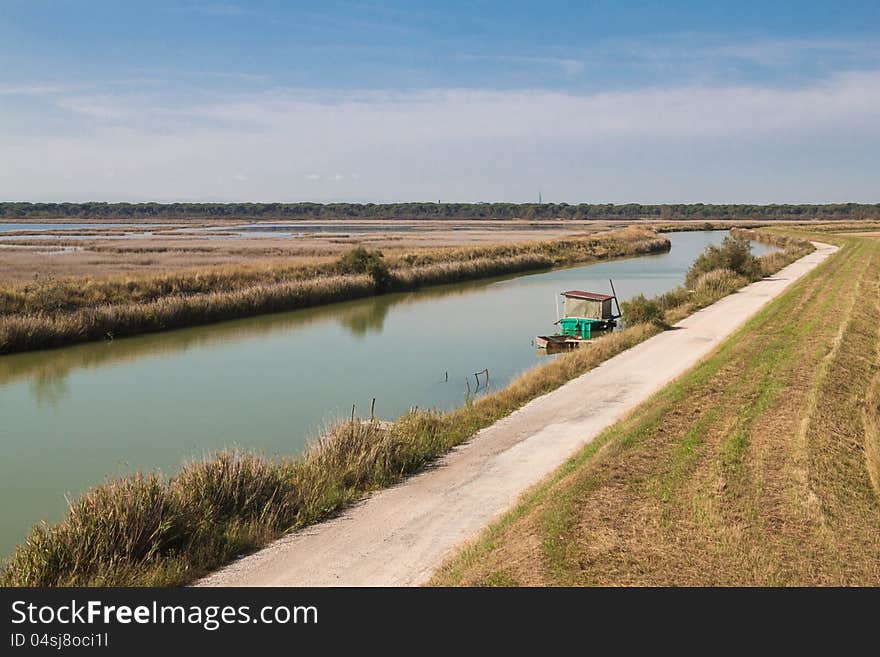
(759, 467)
(53, 313)
(147, 530)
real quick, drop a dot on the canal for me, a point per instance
(75, 416)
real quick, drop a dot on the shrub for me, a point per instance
(641, 310)
(233, 483)
(363, 261)
(734, 253)
(110, 528)
(674, 298)
(717, 283)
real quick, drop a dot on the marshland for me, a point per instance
(51, 312)
(267, 384)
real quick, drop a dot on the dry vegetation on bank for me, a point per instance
(718, 271)
(145, 251)
(52, 313)
(148, 530)
(760, 467)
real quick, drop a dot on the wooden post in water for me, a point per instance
(373, 410)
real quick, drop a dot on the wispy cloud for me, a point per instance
(568, 66)
(172, 76)
(102, 107)
(363, 117)
(34, 89)
(786, 52)
(689, 141)
(702, 57)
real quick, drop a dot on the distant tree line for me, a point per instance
(415, 211)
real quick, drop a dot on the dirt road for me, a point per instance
(398, 536)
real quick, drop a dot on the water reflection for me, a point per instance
(49, 390)
(48, 370)
(371, 318)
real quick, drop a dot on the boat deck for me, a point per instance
(559, 342)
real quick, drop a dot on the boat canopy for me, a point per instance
(588, 305)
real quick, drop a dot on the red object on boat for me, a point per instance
(592, 296)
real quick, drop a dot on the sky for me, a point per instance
(591, 101)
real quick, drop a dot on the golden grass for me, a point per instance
(52, 313)
(757, 468)
(164, 251)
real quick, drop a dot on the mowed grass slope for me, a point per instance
(760, 467)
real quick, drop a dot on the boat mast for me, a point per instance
(619, 314)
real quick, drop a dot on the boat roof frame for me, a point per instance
(589, 296)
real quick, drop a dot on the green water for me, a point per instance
(72, 417)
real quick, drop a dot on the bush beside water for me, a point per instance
(733, 254)
(717, 272)
(641, 310)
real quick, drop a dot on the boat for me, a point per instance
(584, 313)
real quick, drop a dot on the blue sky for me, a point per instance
(382, 101)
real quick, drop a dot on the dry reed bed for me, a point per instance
(53, 295)
(55, 313)
(150, 530)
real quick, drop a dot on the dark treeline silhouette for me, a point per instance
(416, 211)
